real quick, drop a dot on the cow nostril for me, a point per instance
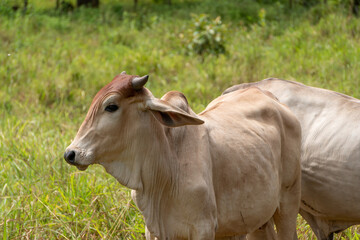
(70, 156)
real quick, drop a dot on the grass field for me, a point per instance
(52, 64)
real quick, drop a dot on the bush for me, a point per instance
(207, 36)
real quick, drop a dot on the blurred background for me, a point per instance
(56, 54)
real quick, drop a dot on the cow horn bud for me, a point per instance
(139, 82)
(123, 73)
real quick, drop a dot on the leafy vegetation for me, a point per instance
(206, 36)
(53, 62)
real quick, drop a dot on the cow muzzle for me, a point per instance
(70, 157)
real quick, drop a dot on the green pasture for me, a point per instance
(52, 63)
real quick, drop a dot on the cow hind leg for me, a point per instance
(286, 214)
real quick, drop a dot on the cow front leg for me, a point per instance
(202, 236)
(266, 232)
(240, 237)
(320, 228)
(203, 231)
(286, 215)
(330, 237)
(148, 235)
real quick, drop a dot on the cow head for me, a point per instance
(121, 116)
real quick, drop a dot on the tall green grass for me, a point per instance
(53, 63)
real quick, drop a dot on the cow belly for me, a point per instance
(245, 218)
(330, 188)
(246, 201)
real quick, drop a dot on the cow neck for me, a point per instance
(164, 191)
(159, 173)
(148, 166)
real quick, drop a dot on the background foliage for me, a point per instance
(206, 36)
(52, 62)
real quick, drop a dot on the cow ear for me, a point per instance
(169, 115)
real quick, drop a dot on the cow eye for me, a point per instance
(111, 108)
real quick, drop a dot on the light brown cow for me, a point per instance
(330, 156)
(231, 170)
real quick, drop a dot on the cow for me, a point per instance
(232, 170)
(330, 157)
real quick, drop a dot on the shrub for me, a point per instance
(206, 36)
